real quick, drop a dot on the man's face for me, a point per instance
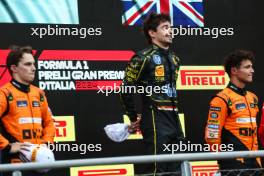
(24, 72)
(245, 72)
(163, 35)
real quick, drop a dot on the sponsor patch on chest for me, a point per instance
(157, 59)
(159, 70)
(35, 104)
(253, 105)
(240, 106)
(22, 103)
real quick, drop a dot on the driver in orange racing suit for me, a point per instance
(24, 111)
(233, 111)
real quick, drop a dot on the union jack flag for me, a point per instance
(182, 12)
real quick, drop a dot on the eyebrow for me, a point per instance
(29, 62)
(166, 25)
(249, 65)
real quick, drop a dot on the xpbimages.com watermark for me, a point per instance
(189, 147)
(56, 30)
(202, 31)
(147, 90)
(81, 148)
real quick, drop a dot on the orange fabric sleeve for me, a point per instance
(218, 111)
(3, 106)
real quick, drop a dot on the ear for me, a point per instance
(13, 68)
(233, 70)
(151, 33)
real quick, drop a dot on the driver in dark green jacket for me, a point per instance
(156, 69)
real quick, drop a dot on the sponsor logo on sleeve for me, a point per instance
(213, 115)
(212, 134)
(214, 108)
(214, 121)
(213, 126)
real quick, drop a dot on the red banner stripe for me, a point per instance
(164, 6)
(97, 85)
(192, 11)
(3, 55)
(138, 13)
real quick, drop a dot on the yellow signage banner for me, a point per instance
(204, 168)
(120, 170)
(202, 77)
(65, 128)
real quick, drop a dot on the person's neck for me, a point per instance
(16, 78)
(21, 86)
(160, 45)
(238, 90)
(238, 83)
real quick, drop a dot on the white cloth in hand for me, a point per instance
(117, 132)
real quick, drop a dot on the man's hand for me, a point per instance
(17, 146)
(134, 126)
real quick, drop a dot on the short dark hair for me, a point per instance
(152, 22)
(235, 58)
(16, 54)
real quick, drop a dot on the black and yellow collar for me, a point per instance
(236, 89)
(20, 86)
(161, 50)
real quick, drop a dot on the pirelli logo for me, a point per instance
(202, 77)
(204, 168)
(121, 170)
(65, 128)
